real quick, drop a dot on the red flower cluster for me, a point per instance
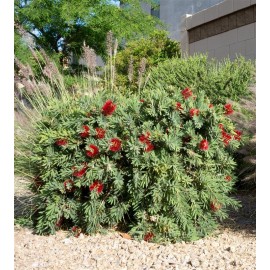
(148, 236)
(100, 133)
(221, 126)
(59, 222)
(228, 109)
(108, 108)
(145, 139)
(115, 144)
(142, 100)
(226, 137)
(210, 106)
(61, 142)
(179, 106)
(204, 145)
(80, 173)
(69, 185)
(228, 178)
(97, 185)
(149, 147)
(85, 132)
(193, 112)
(76, 230)
(238, 135)
(186, 93)
(215, 206)
(93, 150)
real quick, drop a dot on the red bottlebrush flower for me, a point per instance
(38, 182)
(69, 185)
(76, 231)
(149, 147)
(96, 185)
(100, 133)
(179, 106)
(148, 236)
(93, 150)
(80, 173)
(228, 109)
(108, 108)
(226, 137)
(210, 106)
(61, 142)
(115, 144)
(59, 222)
(145, 138)
(186, 93)
(238, 135)
(193, 112)
(215, 206)
(85, 132)
(167, 131)
(221, 126)
(204, 145)
(142, 100)
(228, 178)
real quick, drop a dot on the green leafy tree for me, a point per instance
(65, 24)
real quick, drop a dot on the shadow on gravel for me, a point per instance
(21, 205)
(244, 219)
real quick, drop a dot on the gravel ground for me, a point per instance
(232, 247)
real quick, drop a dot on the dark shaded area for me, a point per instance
(243, 219)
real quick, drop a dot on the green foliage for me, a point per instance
(66, 24)
(155, 49)
(23, 53)
(167, 176)
(220, 80)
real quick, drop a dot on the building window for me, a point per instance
(155, 10)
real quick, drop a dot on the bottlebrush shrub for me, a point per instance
(160, 165)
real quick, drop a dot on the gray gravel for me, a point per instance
(229, 249)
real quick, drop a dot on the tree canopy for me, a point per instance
(63, 25)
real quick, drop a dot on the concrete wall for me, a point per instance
(227, 29)
(171, 12)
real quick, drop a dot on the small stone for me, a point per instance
(67, 241)
(231, 249)
(195, 262)
(35, 264)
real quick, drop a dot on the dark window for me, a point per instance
(155, 10)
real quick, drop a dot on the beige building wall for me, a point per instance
(227, 29)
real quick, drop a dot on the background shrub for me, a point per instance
(220, 80)
(159, 164)
(155, 49)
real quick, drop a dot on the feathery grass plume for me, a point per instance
(141, 71)
(115, 47)
(90, 58)
(112, 46)
(109, 43)
(23, 71)
(20, 29)
(130, 69)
